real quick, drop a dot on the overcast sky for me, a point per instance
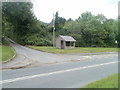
(44, 9)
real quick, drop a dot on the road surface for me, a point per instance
(64, 75)
(55, 70)
(27, 57)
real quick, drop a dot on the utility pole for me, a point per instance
(53, 30)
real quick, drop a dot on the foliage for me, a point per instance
(38, 35)
(20, 24)
(90, 30)
(59, 22)
(18, 17)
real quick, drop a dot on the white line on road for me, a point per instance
(56, 72)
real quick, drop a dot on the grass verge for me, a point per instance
(7, 51)
(109, 82)
(74, 50)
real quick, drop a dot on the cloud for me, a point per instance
(44, 9)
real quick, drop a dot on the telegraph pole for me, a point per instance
(53, 30)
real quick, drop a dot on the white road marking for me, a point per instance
(51, 73)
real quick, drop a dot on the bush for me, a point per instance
(38, 41)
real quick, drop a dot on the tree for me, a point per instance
(110, 29)
(59, 22)
(20, 16)
(89, 30)
(101, 18)
(20, 24)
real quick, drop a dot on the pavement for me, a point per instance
(63, 75)
(27, 57)
(48, 70)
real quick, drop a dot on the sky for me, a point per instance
(44, 9)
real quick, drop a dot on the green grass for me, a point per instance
(101, 49)
(74, 50)
(56, 50)
(109, 82)
(7, 51)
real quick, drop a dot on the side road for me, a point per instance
(27, 57)
(65, 75)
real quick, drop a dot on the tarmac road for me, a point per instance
(27, 57)
(64, 75)
(56, 70)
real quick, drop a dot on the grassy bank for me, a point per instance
(75, 50)
(109, 82)
(7, 51)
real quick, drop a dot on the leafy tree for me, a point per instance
(20, 17)
(59, 22)
(101, 18)
(110, 30)
(92, 30)
(20, 24)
